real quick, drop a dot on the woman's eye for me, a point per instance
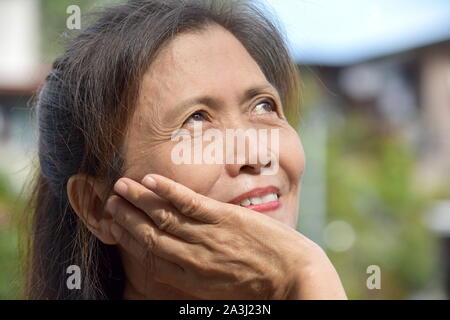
(197, 116)
(264, 107)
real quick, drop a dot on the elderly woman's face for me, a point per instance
(214, 64)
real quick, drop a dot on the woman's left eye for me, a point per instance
(264, 107)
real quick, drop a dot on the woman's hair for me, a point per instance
(83, 111)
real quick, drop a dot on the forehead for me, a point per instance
(209, 61)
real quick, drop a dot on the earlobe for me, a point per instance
(86, 195)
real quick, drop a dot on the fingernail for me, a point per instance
(116, 231)
(149, 182)
(121, 187)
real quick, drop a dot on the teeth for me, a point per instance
(269, 197)
(258, 200)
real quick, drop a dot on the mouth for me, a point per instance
(259, 199)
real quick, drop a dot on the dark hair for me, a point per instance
(83, 111)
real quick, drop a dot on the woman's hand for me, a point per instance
(216, 250)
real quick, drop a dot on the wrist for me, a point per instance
(315, 278)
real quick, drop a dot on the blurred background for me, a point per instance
(375, 124)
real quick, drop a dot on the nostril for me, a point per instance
(247, 168)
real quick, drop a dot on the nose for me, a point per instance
(247, 160)
(254, 169)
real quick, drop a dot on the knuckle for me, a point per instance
(190, 206)
(124, 218)
(171, 189)
(149, 240)
(164, 220)
(191, 238)
(137, 195)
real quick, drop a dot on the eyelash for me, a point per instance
(201, 112)
(269, 102)
(204, 113)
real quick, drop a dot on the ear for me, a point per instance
(86, 196)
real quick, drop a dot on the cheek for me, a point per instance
(292, 164)
(198, 177)
(292, 156)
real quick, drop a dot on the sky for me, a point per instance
(342, 32)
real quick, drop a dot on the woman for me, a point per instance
(111, 199)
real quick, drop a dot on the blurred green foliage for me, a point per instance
(54, 32)
(371, 186)
(10, 208)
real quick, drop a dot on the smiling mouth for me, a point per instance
(259, 199)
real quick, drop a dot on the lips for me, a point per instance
(259, 199)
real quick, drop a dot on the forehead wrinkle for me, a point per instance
(174, 62)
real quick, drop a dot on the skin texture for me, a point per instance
(178, 237)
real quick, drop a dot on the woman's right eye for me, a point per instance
(196, 116)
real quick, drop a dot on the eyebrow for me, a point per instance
(212, 102)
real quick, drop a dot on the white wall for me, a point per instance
(19, 42)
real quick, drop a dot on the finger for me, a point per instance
(146, 233)
(163, 214)
(188, 202)
(161, 269)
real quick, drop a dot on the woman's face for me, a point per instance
(212, 63)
